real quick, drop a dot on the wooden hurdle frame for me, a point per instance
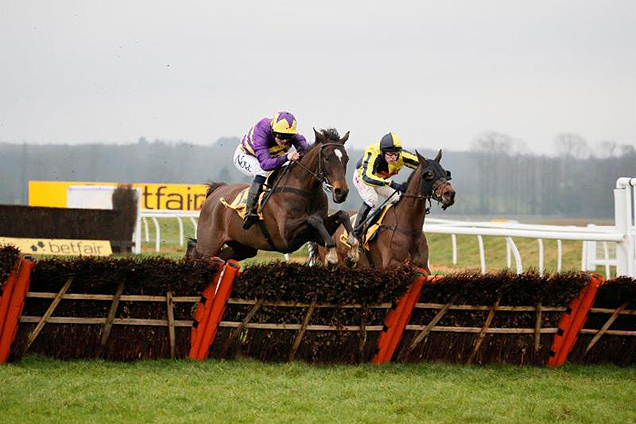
(215, 299)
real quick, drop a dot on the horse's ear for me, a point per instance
(319, 136)
(439, 156)
(421, 159)
(345, 138)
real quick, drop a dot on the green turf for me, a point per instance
(38, 390)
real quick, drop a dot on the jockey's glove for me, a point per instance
(397, 186)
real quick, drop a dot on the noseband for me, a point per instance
(320, 175)
(430, 190)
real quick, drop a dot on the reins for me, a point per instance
(319, 176)
(427, 208)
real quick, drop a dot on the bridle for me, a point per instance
(320, 175)
(431, 190)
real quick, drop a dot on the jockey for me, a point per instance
(263, 149)
(374, 170)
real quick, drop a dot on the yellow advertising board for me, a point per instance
(66, 247)
(154, 196)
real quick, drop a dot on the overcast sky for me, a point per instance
(439, 73)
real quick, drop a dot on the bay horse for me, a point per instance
(400, 239)
(295, 213)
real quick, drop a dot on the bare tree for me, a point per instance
(572, 145)
(607, 149)
(493, 142)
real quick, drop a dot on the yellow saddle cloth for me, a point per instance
(371, 231)
(239, 203)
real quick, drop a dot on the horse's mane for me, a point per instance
(408, 180)
(329, 133)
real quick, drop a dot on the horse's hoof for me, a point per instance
(349, 263)
(332, 256)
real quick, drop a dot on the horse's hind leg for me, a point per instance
(237, 251)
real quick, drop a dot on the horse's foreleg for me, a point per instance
(342, 218)
(420, 259)
(237, 251)
(319, 225)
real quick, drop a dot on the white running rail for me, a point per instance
(622, 235)
(154, 215)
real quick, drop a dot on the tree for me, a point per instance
(607, 149)
(572, 145)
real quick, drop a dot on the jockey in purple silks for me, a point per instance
(263, 149)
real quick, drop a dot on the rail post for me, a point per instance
(396, 320)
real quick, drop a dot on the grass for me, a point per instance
(41, 390)
(495, 252)
(439, 250)
(38, 390)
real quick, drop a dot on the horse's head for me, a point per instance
(435, 180)
(332, 162)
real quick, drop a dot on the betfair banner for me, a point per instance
(154, 196)
(66, 247)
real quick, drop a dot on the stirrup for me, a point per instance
(249, 220)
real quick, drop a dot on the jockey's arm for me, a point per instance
(368, 164)
(265, 159)
(300, 143)
(410, 159)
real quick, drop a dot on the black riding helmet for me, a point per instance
(390, 142)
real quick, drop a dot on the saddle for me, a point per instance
(239, 204)
(372, 228)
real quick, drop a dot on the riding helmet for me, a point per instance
(284, 123)
(390, 142)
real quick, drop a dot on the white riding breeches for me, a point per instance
(247, 164)
(373, 195)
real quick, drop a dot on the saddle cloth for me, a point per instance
(372, 231)
(239, 205)
(239, 202)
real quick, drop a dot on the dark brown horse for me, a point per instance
(400, 239)
(295, 213)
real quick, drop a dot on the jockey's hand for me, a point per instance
(397, 186)
(292, 156)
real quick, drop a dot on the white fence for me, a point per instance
(146, 215)
(622, 235)
(617, 242)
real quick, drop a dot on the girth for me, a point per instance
(296, 191)
(268, 237)
(261, 223)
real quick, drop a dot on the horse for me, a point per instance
(296, 211)
(400, 239)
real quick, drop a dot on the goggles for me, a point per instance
(283, 136)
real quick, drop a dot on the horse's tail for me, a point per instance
(211, 187)
(314, 255)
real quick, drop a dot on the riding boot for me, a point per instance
(362, 214)
(252, 201)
